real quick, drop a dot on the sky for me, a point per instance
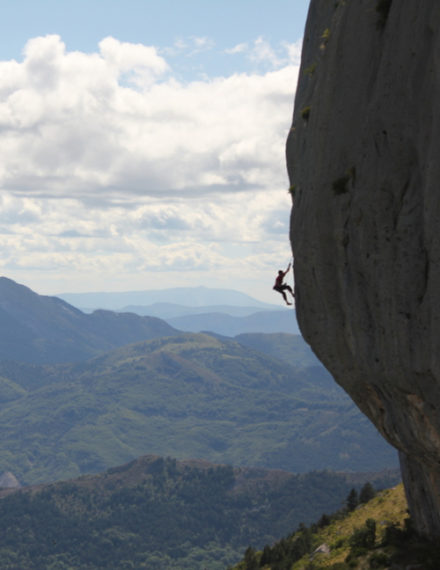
(143, 143)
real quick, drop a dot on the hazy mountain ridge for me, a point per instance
(200, 309)
(227, 325)
(38, 328)
(172, 310)
(184, 296)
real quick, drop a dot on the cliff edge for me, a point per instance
(363, 158)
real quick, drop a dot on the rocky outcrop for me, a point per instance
(9, 481)
(363, 157)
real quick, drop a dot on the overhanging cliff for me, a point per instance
(363, 157)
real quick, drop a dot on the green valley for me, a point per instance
(186, 396)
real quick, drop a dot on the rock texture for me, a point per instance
(363, 158)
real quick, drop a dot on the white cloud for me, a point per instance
(265, 56)
(211, 242)
(69, 128)
(201, 44)
(293, 52)
(189, 46)
(136, 63)
(239, 48)
(263, 52)
(111, 167)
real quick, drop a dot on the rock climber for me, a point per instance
(281, 287)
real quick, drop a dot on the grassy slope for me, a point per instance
(389, 507)
(395, 545)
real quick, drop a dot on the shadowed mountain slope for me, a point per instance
(38, 328)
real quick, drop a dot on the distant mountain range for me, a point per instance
(39, 328)
(222, 311)
(172, 311)
(261, 322)
(186, 296)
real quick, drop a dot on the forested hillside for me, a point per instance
(186, 396)
(159, 513)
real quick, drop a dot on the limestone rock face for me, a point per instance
(363, 157)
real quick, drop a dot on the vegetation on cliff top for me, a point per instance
(375, 535)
